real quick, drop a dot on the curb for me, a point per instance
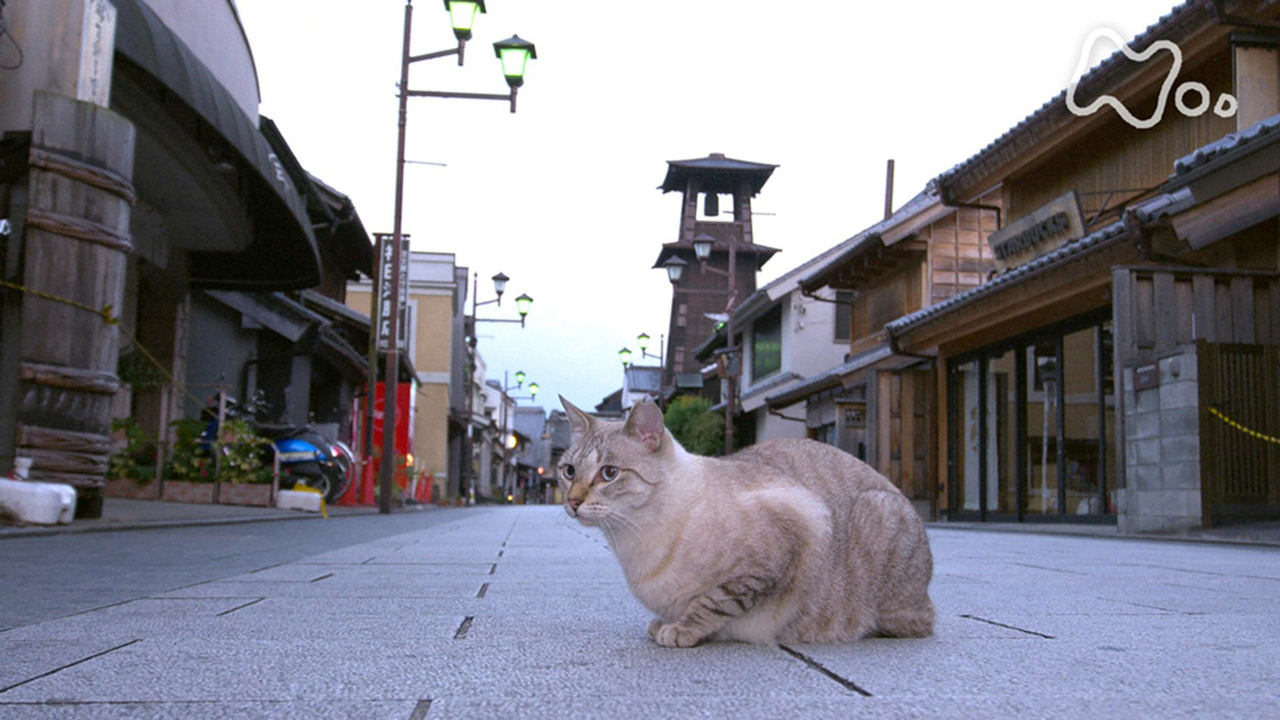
(1146, 537)
(16, 531)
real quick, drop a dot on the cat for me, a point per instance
(785, 541)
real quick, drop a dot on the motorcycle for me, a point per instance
(301, 454)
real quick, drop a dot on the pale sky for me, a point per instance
(562, 196)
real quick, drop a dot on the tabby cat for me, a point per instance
(785, 541)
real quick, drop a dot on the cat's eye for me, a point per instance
(567, 472)
(609, 473)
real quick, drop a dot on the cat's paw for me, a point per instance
(672, 635)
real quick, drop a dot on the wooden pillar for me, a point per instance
(1257, 79)
(76, 238)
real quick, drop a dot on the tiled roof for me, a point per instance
(1268, 129)
(720, 173)
(828, 379)
(1071, 250)
(1013, 141)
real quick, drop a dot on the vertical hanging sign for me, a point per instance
(382, 285)
(97, 46)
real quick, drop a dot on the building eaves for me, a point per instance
(1050, 116)
(1228, 149)
(829, 379)
(865, 241)
(718, 173)
(1071, 251)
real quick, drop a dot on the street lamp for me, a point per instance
(643, 341)
(625, 356)
(702, 246)
(462, 16)
(523, 304)
(515, 53)
(675, 268)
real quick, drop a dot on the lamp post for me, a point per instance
(729, 368)
(506, 433)
(625, 354)
(523, 304)
(462, 15)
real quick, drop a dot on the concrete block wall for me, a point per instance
(1162, 450)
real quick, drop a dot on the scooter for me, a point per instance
(301, 454)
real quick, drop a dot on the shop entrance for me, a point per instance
(1032, 427)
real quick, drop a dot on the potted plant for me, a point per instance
(131, 469)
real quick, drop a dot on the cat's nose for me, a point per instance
(574, 504)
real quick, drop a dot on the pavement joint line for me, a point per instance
(322, 577)
(241, 607)
(268, 567)
(815, 665)
(483, 589)
(1008, 627)
(420, 710)
(1170, 611)
(69, 665)
(1050, 569)
(493, 569)
(463, 628)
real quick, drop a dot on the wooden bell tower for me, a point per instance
(716, 206)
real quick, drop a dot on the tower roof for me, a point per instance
(718, 174)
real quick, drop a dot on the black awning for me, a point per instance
(279, 211)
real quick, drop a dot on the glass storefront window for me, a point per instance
(1033, 426)
(1042, 427)
(1002, 446)
(965, 416)
(1082, 423)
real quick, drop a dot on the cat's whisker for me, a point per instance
(623, 520)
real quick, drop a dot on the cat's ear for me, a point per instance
(579, 421)
(645, 424)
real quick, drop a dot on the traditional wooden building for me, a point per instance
(135, 173)
(1120, 366)
(879, 403)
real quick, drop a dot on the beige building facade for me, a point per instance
(435, 300)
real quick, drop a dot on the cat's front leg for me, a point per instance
(709, 612)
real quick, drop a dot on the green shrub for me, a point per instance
(690, 420)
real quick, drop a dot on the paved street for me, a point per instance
(519, 612)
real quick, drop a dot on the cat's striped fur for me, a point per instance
(785, 541)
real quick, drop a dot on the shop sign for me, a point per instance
(97, 46)
(1044, 230)
(383, 285)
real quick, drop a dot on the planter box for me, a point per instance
(129, 488)
(183, 491)
(245, 494)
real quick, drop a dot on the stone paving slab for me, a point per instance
(520, 612)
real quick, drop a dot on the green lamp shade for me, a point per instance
(462, 15)
(522, 305)
(625, 356)
(643, 340)
(520, 376)
(514, 52)
(533, 389)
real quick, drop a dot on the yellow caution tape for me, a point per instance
(1243, 429)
